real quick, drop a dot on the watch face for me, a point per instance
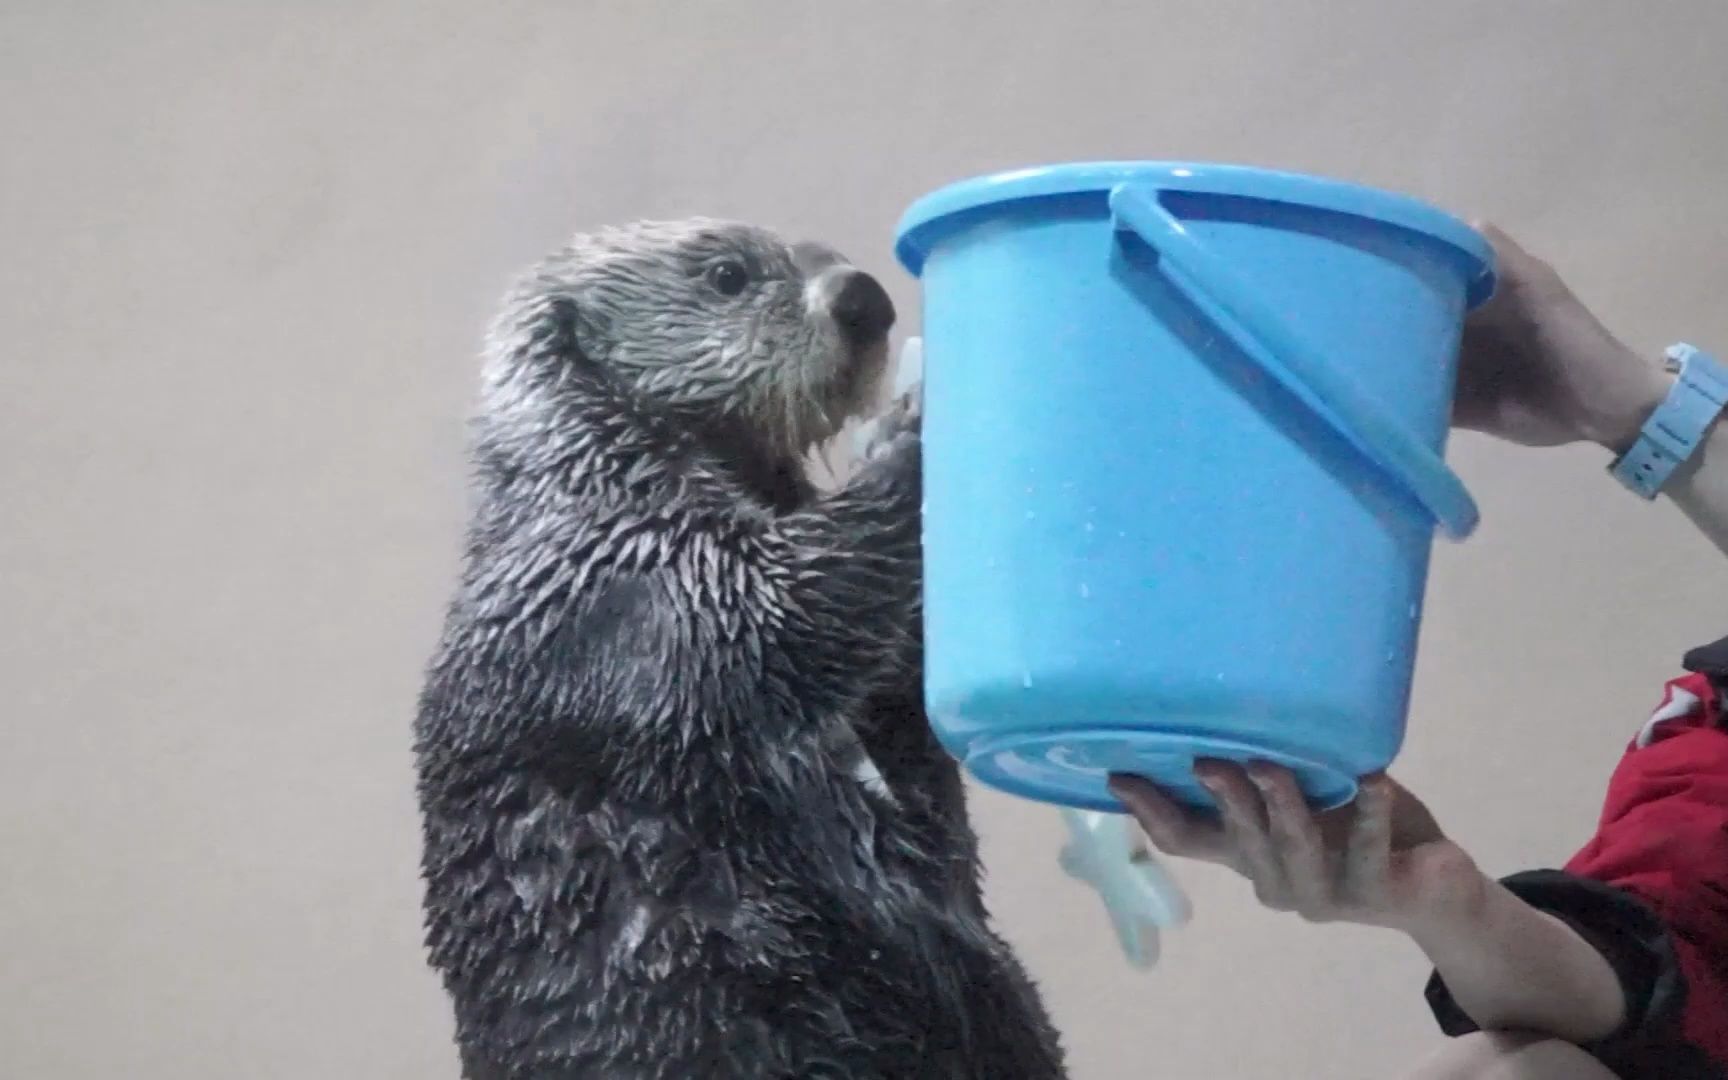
(1679, 358)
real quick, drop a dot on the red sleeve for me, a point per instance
(1663, 838)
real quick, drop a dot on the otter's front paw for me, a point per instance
(904, 416)
(907, 412)
(894, 471)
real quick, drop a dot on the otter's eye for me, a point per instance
(728, 278)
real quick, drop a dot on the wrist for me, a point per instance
(1457, 915)
(1513, 966)
(1614, 421)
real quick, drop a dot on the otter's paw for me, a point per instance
(896, 462)
(904, 416)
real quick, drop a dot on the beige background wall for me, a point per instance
(245, 252)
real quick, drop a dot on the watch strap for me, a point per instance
(1679, 424)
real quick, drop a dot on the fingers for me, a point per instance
(1173, 829)
(1497, 238)
(1506, 249)
(1265, 830)
(1516, 267)
(1296, 840)
(1324, 867)
(1368, 847)
(1247, 833)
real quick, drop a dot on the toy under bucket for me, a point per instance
(1183, 431)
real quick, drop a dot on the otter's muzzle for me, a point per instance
(862, 309)
(855, 301)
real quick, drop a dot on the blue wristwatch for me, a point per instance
(1678, 425)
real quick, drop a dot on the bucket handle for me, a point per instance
(1334, 398)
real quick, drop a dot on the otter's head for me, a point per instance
(762, 347)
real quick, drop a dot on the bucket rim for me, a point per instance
(924, 223)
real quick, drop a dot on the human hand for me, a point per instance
(1536, 367)
(1381, 861)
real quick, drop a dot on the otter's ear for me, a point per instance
(558, 320)
(545, 335)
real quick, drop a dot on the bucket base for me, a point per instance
(1072, 767)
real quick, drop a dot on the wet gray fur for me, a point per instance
(683, 815)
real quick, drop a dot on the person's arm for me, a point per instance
(1537, 368)
(1383, 861)
(1513, 967)
(1700, 487)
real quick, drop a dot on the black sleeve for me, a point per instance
(1635, 943)
(1710, 660)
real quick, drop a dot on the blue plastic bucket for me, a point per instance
(1183, 432)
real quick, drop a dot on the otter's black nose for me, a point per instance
(862, 308)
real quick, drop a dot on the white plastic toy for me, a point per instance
(1106, 852)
